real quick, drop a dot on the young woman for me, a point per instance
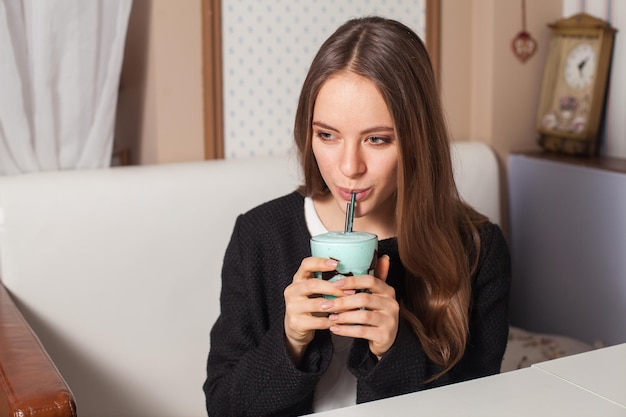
(369, 121)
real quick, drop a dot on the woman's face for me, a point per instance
(355, 145)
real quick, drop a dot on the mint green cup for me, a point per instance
(357, 253)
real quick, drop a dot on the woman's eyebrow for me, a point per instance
(382, 128)
(323, 125)
(378, 129)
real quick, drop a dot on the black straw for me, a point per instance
(350, 214)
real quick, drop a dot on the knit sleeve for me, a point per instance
(402, 369)
(249, 371)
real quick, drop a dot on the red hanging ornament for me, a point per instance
(523, 45)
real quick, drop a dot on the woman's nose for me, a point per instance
(352, 162)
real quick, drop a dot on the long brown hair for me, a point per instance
(437, 238)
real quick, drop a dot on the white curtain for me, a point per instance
(60, 64)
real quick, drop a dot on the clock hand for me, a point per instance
(581, 65)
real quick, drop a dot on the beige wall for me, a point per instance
(488, 94)
(160, 115)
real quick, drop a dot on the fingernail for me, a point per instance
(339, 283)
(326, 305)
(332, 317)
(332, 263)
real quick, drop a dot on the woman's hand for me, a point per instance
(303, 306)
(376, 312)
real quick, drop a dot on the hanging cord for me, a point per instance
(524, 16)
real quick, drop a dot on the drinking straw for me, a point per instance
(350, 214)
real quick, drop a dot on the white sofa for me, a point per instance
(117, 272)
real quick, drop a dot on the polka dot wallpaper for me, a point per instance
(267, 48)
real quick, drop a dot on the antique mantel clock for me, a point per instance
(575, 78)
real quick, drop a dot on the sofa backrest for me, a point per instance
(477, 177)
(118, 270)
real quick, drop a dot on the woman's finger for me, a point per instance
(382, 267)
(310, 265)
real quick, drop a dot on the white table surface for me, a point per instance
(601, 371)
(533, 391)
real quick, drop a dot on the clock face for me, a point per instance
(580, 66)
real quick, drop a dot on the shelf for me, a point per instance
(599, 162)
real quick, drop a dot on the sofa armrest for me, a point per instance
(30, 384)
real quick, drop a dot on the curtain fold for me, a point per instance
(60, 64)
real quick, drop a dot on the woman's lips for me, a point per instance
(346, 193)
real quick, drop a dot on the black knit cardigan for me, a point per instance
(250, 373)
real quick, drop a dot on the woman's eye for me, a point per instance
(325, 136)
(378, 140)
